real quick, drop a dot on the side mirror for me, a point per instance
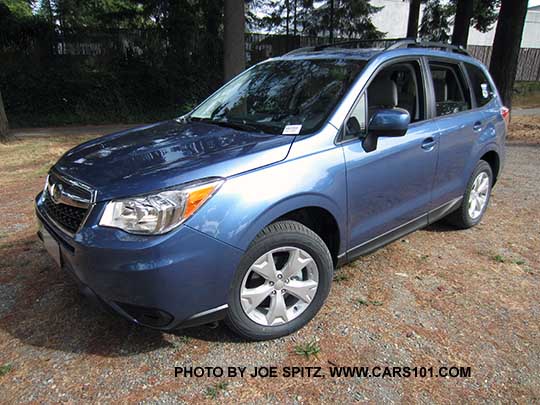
(389, 122)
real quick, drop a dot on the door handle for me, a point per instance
(428, 144)
(477, 126)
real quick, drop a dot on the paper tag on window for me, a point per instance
(485, 90)
(292, 129)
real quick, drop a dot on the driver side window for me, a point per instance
(396, 86)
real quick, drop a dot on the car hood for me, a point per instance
(166, 154)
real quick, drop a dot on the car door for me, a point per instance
(460, 126)
(389, 189)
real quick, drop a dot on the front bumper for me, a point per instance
(166, 281)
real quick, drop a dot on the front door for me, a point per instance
(389, 189)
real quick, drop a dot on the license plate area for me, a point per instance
(51, 245)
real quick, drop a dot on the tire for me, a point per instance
(291, 246)
(462, 217)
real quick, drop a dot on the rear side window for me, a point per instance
(483, 92)
(451, 93)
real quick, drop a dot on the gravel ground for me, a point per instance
(437, 297)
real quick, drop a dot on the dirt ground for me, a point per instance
(437, 297)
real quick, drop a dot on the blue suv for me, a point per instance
(242, 209)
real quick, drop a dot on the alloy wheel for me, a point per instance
(478, 195)
(279, 286)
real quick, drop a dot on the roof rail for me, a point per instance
(387, 44)
(415, 43)
(355, 43)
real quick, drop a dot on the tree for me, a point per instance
(478, 13)
(414, 15)
(506, 46)
(4, 127)
(462, 22)
(234, 42)
(343, 18)
(19, 8)
(435, 24)
(280, 16)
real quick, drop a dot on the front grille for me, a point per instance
(64, 215)
(68, 212)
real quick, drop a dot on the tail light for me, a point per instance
(505, 112)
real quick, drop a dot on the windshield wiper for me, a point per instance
(228, 124)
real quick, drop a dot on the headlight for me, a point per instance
(158, 213)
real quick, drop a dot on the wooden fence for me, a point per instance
(528, 64)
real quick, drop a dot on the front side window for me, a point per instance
(396, 86)
(283, 96)
(451, 94)
(481, 87)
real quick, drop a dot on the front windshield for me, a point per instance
(282, 96)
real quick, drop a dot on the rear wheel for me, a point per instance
(476, 198)
(281, 283)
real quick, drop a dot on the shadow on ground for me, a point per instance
(41, 306)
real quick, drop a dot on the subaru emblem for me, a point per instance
(56, 193)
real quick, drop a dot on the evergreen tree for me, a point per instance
(343, 19)
(435, 25)
(481, 14)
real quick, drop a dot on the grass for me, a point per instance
(340, 277)
(526, 95)
(502, 259)
(307, 349)
(5, 368)
(213, 391)
(362, 301)
(499, 258)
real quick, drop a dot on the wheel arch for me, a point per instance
(494, 161)
(320, 221)
(317, 212)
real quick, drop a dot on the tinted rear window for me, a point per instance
(451, 93)
(481, 87)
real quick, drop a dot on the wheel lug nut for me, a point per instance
(283, 291)
(271, 283)
(279, 276)
(274, 292)
(287, 281)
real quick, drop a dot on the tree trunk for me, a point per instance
(331, 28)
(3, 120)
(288, 16)
(234, 32)
(414, 15)
(294, 18)
(506, 46)
(464, 12)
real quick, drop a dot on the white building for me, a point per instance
(393, 18)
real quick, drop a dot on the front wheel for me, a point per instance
(281, 283)
(475, 199)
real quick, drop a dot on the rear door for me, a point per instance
(459, 124)
(485, 98)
